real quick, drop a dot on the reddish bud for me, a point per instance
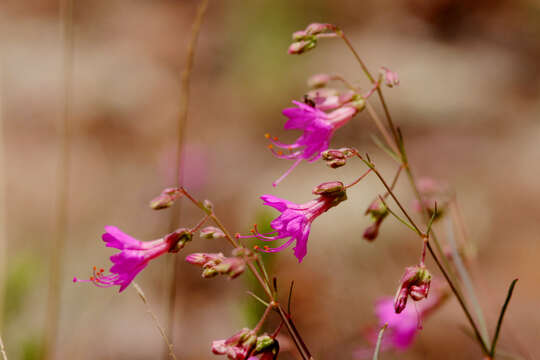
(415, 282)
(166, 198)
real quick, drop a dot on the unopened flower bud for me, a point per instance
(211, 232)
(209, 273)
(232, 267)
(264, 342)
(334, 164)
(166, 198)
(204, 258)
(390, 77)
(329, 188)
(378, 213)
(415, 282)
(300, 47)
(299, 35)
(318, 28)
(208, 205)
(319, 81)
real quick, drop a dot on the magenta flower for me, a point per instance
(295, 219)
(318, 128)
(133, 257)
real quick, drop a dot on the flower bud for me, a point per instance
(318, 28)
(415, 282)
(264, 342)
(211, 232)
(208, 205)
(300, 47)
(178, 239)
(390, 77)
(378, 213)
(232, 267)
(330, 188)
(318, 81)
(166, 198)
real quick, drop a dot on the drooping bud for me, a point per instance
(300, 47)
(178, 239)
(319, 81)
(305, 40)
(166, 198)
(318, 28)
(390, 77)
(232, 267)
(415, 282)
(378, 212)
(212, 232)
(217, 264)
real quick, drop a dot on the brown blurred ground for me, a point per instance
(468, 104)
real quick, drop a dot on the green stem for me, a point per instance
(501, 317)
(379, 341)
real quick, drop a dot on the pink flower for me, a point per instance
(415, 283)
(133, 257)
(317, 127)
(295, 219)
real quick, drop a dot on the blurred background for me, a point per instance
(468, 104)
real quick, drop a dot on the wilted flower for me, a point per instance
(237, 347)
(295, 219)
(415, 283)
(318, 128)
(134, 255)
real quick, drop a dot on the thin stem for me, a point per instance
(379, 341)
(411, 221)
(263, 318)
(295, 335)
(403, 221)
(501, 317)
(257, 298)
(462, 270)
(156, 321)
(460, 299)
(199, 224)
(182, 119)
(358, 180)
(62, 184)
(3, 202)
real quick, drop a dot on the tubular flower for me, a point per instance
(133, 257)
(317, 127)
(295, 219)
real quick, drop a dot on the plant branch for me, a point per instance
(156, 321)
(182, 120)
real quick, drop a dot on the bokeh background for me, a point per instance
(468, 105)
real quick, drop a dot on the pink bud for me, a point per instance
(166, 198)
(318, 28)
(212, 232)
(301, 46)
(390, 77)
